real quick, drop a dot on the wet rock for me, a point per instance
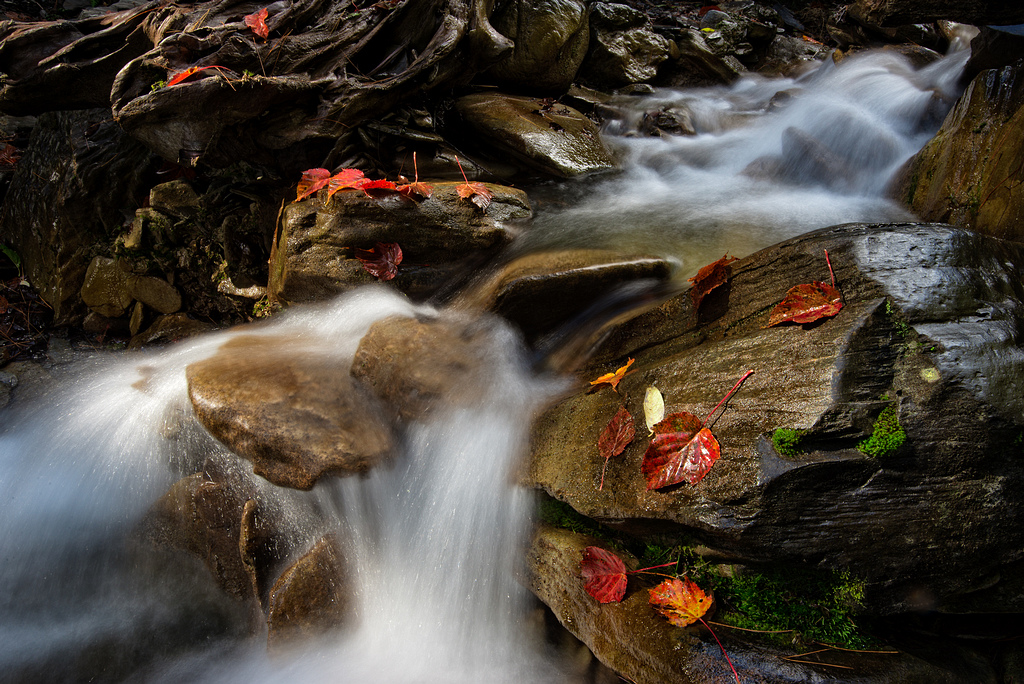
(442, 239)
(169, 328)
(105, 290)
(979, 12)
(411, 364)
(633, 640)
(734, 34)
(623, 47)
(540, 292)
(967, 174)
(928, 331)
(993, 48)
(175, 198)
(668, 121)
(548, 137)
(310, 598)
(550, 41)
(92, 172)
(693, 63)
(294, 413)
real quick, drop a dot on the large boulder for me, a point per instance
(926, 343)
(72, 188)
(547, 137)
(442, 239)
(624, 47)
(968, 174)
(550, 40)
(296, 414)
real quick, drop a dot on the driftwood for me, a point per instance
(284, 102)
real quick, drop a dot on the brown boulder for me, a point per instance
(310, 597)
(297, 415)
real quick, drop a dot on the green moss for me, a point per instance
(886, 437)
(787, 442)
(558, 514)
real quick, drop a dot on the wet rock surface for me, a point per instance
(927, 329)
(550, 40)
(967, 174)
(441, 238)
(296, 414)
(623, 47)
(310, 597)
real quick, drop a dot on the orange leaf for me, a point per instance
(346, 179)
(807, 303)
(381, 260)
(710, 277)
(681, 602)
(378, 188)
(257, 22)
(191, 71)
(615, 378)
(9, 156)
(616, 437)
(312, 180)
(477, 193)
(416, 190)
(604, 574)
(682, 449)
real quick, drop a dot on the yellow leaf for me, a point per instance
(613, 379)
(654, 408)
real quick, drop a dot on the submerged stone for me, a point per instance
(310, 597)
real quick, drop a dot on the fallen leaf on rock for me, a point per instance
(806, 303)
(381, 260)
(416, 190)
(312, 180)
(681, 602)
(654, 408)
(615, 437)
(604, 574)
(191, 71)
(708, 278)
(346, 179)
(615, 378)
(378, 188)
(257, 21)
(682, 449)
(477, 193)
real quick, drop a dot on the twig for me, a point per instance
(811, 662)
(757, 631)
(853, 650)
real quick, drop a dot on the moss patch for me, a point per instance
(886, 437)
(787, 442)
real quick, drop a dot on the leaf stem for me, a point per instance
(726, 397)
(653, 567)
(830, 271)
(727, 658)
(601, 486)
(461, 169)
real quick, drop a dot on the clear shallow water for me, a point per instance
(436, 541)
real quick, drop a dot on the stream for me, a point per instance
(435, 542)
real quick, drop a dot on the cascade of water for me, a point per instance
(432, 541)
(770, 159)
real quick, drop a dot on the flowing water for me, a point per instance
(435, 543)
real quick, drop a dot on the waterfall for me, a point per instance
(769, 159)
(435, 539)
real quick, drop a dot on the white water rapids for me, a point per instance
(437, 541)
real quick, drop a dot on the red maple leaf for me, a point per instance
(708, 278)
(378, 188)
(682, 447)
(381, 260)
(615, 437)
(257, 22)
(9, 156)
(604, 574)
(807, 303)
(346, 179)
(312, 180)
